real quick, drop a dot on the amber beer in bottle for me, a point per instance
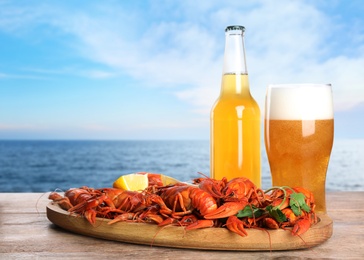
(235, 117)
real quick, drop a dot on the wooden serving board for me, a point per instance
(208, 238)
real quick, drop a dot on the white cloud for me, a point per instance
(99, 74)
(293, 43)
(286, 41)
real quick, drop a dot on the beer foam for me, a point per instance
(299, 102)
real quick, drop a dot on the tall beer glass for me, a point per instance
(298, 131)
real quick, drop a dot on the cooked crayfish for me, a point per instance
(236, 204)
(183, 199)
(292, 207)
(107, 202)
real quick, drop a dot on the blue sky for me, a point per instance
(152, 69)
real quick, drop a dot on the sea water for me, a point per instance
(41, 166)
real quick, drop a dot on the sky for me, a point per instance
(152, 69)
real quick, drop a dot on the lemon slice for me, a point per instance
(132, 182)
(166, 180)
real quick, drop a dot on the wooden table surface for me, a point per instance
(26, 233)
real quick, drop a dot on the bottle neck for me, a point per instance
(234, 56)
(235, 74)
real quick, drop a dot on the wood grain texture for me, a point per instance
(26, 233)
(208, 238)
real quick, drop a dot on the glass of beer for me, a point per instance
(298, 135)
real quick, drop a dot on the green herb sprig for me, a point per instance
(297, 203)
(250, 212)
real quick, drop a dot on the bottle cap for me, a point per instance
(234, 28)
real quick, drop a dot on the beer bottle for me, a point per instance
(235, 117)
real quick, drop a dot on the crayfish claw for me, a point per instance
(271, 223)
(63, 202)
(236, 225)
(301, 226)
(90, 215)
(204, 223)
(226, 210)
